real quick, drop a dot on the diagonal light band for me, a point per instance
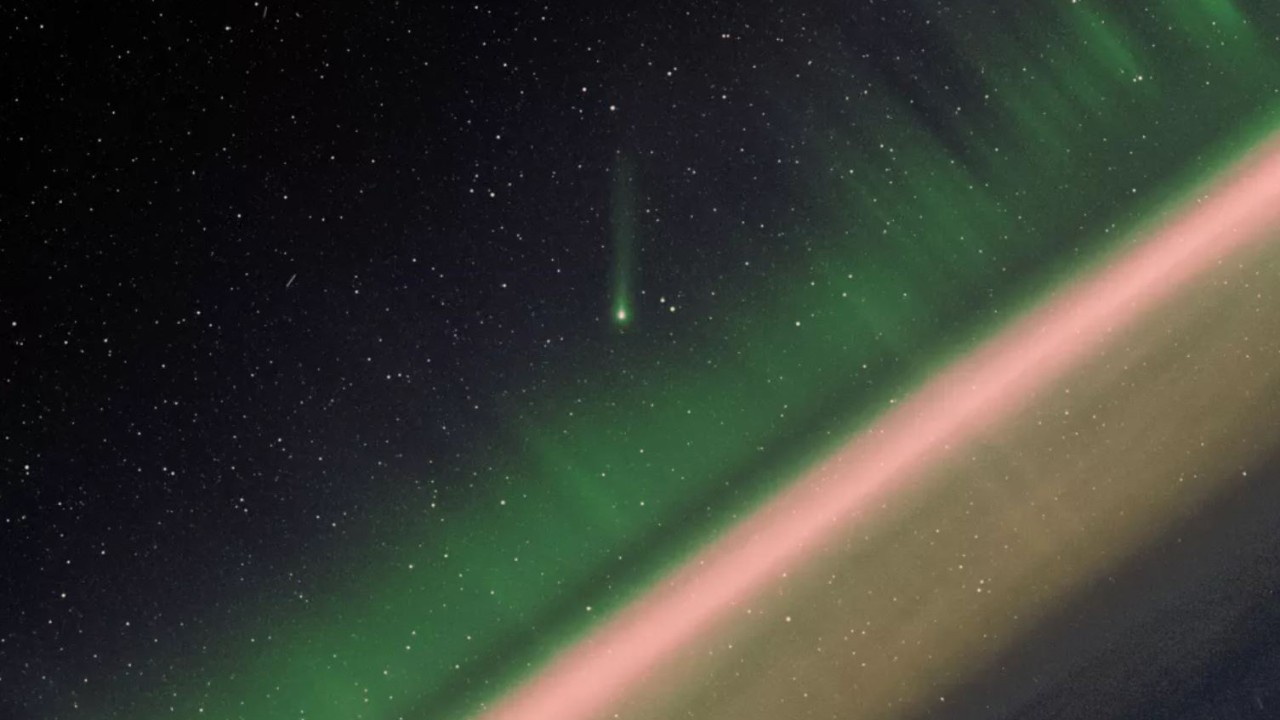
(969, 397)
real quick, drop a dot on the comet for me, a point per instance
(623, 228)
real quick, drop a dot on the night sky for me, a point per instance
(357, 357)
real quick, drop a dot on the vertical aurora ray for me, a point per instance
(622, 225)
(914, 233)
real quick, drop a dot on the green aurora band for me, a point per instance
(1096, 121)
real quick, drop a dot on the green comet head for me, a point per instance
(621, 316)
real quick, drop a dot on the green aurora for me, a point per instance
(1094, 120)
